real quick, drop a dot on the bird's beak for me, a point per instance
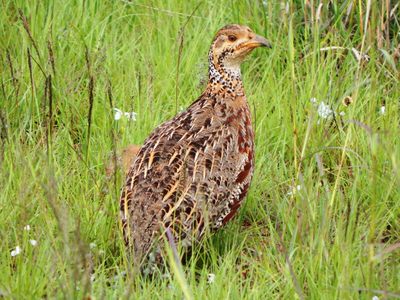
(262, 41)
(258, 41)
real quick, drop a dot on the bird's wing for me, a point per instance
(184, 175)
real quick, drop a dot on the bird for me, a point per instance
(192, 172)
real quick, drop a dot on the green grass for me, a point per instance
(335, 238)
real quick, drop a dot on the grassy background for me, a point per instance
(321, 220)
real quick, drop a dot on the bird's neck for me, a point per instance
(224, 76)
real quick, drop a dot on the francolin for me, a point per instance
(193, 171)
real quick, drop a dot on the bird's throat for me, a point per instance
(224, 76)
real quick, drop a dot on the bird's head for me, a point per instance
(231, 45)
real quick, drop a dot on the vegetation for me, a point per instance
(321, 220)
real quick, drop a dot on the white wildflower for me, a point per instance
(118, 114)
(27, 227)
(16, 251)
(375, 298)
(33, 242)
(324, 111)
(293, 190)
(131, 116)
(210, 278)
(342, 113)
(92, 245)
(382, 110)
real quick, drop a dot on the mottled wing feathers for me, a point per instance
(184, 177)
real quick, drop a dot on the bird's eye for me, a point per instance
(232, 38)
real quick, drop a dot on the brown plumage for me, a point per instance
(193, 171)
